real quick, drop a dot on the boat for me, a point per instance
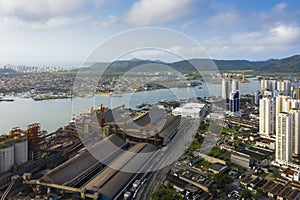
(8, 100)
(116, 95)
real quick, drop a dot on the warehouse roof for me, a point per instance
(77, 165)
(110, 182)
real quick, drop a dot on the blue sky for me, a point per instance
(66, 31)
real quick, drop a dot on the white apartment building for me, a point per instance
(266, 116)
(283, 138)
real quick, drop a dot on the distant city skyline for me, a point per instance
(66, 31)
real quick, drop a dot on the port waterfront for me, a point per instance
(55, 113)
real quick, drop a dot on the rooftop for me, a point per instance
(111, 181)
(77, 165)
(218, 167)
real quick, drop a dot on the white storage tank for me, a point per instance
(6, 158)
(21, 152)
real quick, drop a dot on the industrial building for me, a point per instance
(110, 182)
(116, 155)
(241, 159)
(12, 152)
(7, 158)
(154, 127)
(193, 110)
(76, 169)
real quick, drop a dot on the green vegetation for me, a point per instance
(166, 194)
(253, 130)
(217, 151)
(236, 128)
(193, 76)
(238, 143)
(68, 73)
(222, 180)
(260, 192)
(7, 71)
(195, 145)
(264, 175)
(203, 126)
(228, 131)
(205, 163)
(246, 193)
(283, 67)
(244, 101)
(174, 104)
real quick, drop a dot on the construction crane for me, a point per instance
(243, 78)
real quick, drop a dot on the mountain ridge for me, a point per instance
(288, 64)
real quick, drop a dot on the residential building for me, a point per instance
(234, 103)
(225, 89)
(295, 125)
(267, 116)
(256, 97)
(297, 93)
(284, 87)
(235, 85)
(283, 138)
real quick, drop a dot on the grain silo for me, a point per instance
(6, 157)
(21, 151)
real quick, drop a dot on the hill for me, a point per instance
(285, 65)
(5, 72)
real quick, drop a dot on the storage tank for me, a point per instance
(6, 158)
(21, 152)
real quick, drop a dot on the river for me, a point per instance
(53, 114)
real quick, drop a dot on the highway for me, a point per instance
(167, 156)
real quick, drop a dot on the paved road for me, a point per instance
(166, 158)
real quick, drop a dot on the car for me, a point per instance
(233, 193)
(242, 176)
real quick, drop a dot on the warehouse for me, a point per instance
(79, 165)
(193, 110)
(110, 182)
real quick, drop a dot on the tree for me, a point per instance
(246, 193)
(166, 194)
(260, 192)
(222, 180)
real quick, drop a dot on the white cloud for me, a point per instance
(224, 18)
(42, 13)
(277, 39)
(176, 49)
(279, 35)
(148, 12)
(280, 6)
(187, 24)
(111, 20)
(58, 22)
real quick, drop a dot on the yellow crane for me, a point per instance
(243, 78)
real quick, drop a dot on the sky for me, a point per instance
(67, 31)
